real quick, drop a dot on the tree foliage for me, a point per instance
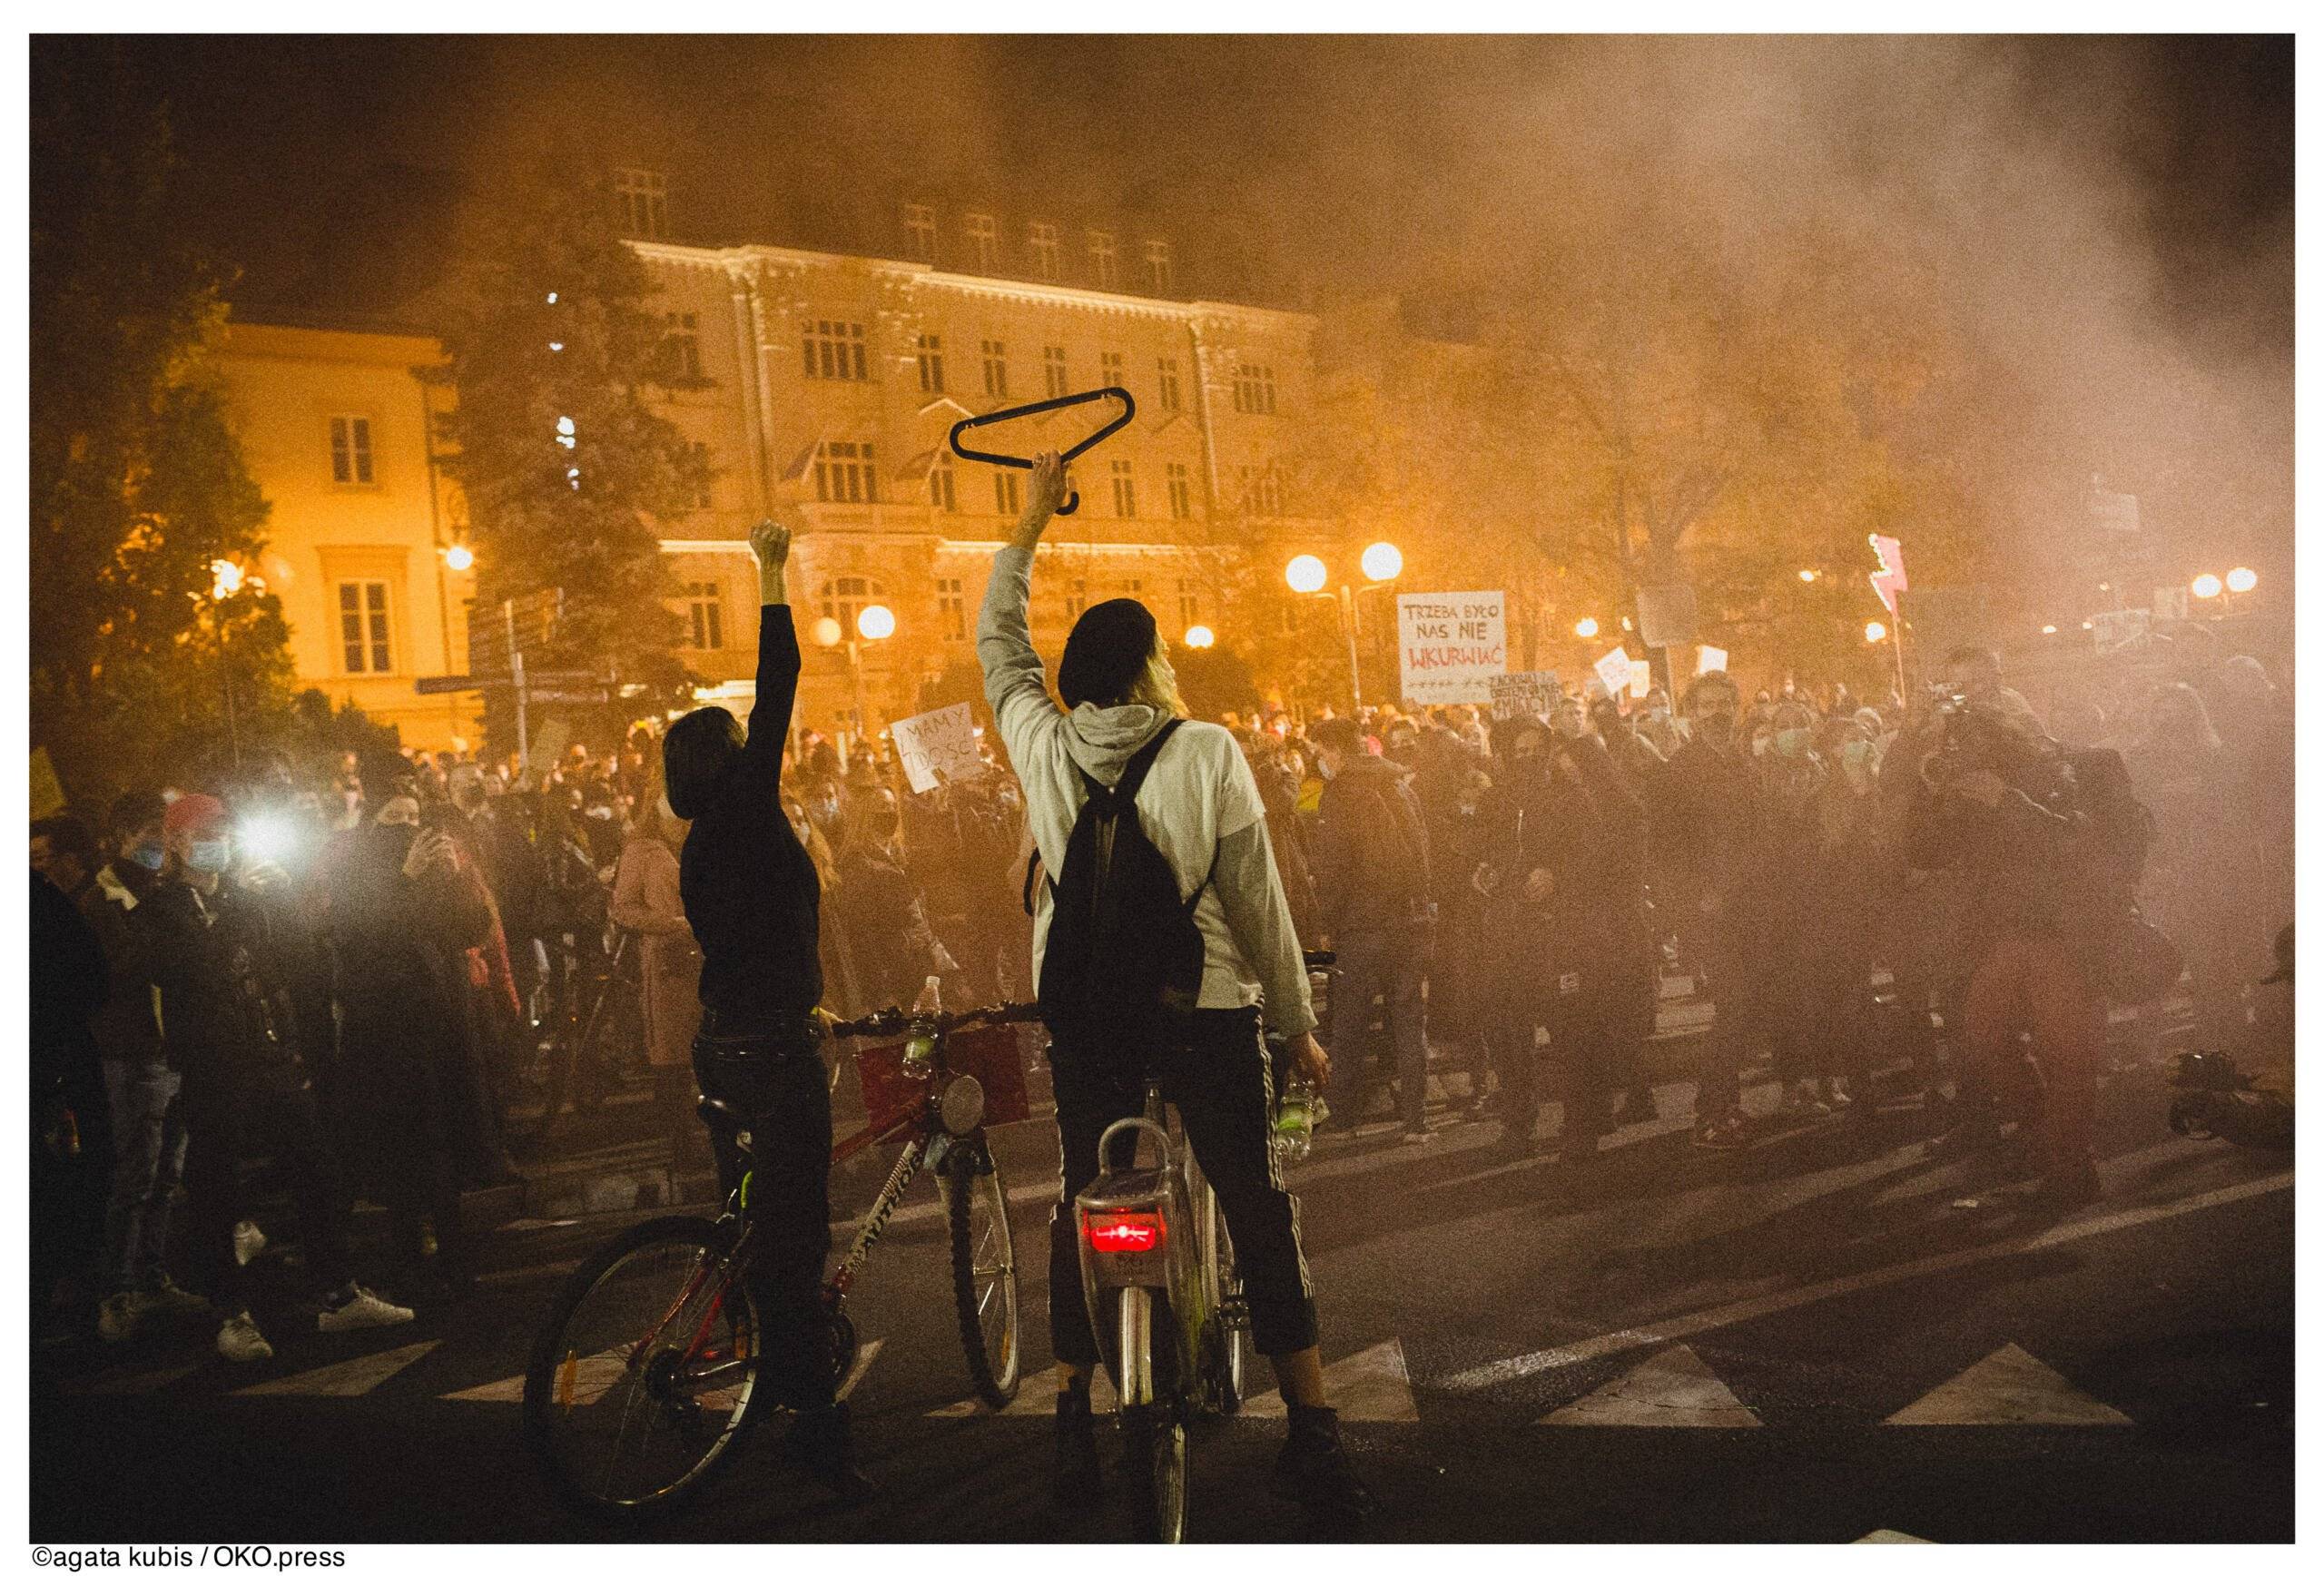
(552, 341)
(138, 486)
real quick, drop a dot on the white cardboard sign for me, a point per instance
(1451, 645)
(1613, 671)
(1524, 694)
(938, 747)
(1710, 660)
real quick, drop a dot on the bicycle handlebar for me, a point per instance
(895, 1020)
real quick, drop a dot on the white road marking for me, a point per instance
(2011, 1387)
(1674, 1389)
(1891, 1536)
(355, 1377)
(863, 1356)
(1503, 1371)
(1372, 1386)
(1036, 1398)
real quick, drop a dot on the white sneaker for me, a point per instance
(249, 1242)
(365, 1311)
(171, 1300)
(117, 1317)
(239, 1341)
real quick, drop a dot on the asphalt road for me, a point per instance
(1810, 1341)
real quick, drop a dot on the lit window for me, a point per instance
(643, 198)
(681, 347)
(940, 495)
(920, 232)
(1158, 273)
(1182, 502)
(984, 243)
(363, 632)
(1105, 273)
(1008, 498)
(844, 474)
(996, 369)
(928, 351)
(702, 498)
(1124, 491)
(1040, 241)
(1166, 382)
(705, 619)
(1110, 370)
(845, 597)
(1053, 369)
(1262, 491)
(350, 450)
(952, 610)
(833, 350)
(1254, 389)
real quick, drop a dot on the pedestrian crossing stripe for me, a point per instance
(2011, 1386)
(1891, 1536)
(356, 1378)
(1036, 1398)
(1674, 1389)
(592, 1375)
(1372, 1386)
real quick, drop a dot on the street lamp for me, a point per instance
(873, 622)
(1808, 576)
(1199, 637)
(1586, 628)
(1875, 632)
(459, 559)
(1308, 575)
(2206, 586)
(2239, 581)
(877, 622)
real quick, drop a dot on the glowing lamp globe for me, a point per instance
(459, 559)
(1200, 637)
(2205, 587)
(1875, 632)
(2239, 581)
(1382, 561)
(827, 632)
(877, 622)
(1586, 628)
(1306, 573)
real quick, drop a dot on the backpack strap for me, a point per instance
(1132, 776)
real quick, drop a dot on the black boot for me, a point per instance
(1075, 1478)
(1312, 1467)
(822, 1444)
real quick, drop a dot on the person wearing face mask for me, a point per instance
(884, 911)
(227, 1029)
(1710, 866)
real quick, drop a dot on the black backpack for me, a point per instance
(1123, 967)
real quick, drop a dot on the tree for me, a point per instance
(565, 464)
(144, 657)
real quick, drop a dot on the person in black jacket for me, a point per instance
(228, 1027)
(69, 986)
(752, 897)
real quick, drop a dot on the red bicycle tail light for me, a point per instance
(1124, 1232)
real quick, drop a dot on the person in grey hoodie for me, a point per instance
(1201, 809)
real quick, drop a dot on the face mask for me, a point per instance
(149, 855)
(1715, 727)
(400, 811)
(207, 855)
(1792, 744)
(1324, 770)
(1761, 745)
(600, 812)
(1856, 753)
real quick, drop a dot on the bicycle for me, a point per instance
(656, 1335)
(1180, 1357)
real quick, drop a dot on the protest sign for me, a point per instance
(2113, 631)
(48, 793)
(938, 747)
(1613, 671)
(1709, 660)
(1451, 645)
(1524, 694)
(1641, 680)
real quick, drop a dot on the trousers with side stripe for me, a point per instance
(1224, 1087)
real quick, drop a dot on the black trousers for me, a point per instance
(231, 1114)
(779, 1079)
(1224, 1087)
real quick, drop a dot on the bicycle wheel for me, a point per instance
(1154, 1453)
(1230, 1323)
(984, 1272)
(643, 1378)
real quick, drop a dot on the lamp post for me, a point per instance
(873, 622)
(1307, 575)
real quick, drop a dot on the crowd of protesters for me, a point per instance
(387, 973)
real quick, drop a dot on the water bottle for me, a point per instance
(1294, 1125)
(921, 1043)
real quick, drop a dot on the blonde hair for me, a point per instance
(1157, 683)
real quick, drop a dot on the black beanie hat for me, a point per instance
(1106, 652)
